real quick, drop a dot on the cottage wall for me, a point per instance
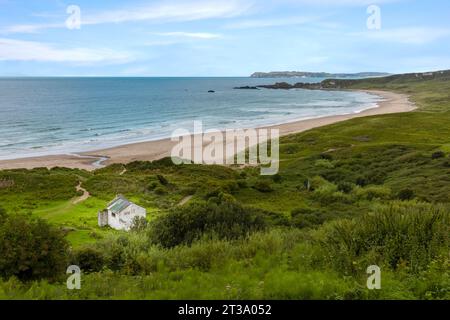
(102, 218)
(124, 220)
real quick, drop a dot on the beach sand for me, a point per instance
(153, 150)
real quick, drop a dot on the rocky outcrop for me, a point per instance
(246, 88)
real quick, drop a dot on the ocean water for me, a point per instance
(42, 116)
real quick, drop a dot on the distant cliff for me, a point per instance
(300, 74)
(375, 82)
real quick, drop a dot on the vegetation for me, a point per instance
(31, 249)
(369, 191)
(224, 220)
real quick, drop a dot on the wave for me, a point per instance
(109, 124)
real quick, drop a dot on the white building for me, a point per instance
(120, 214)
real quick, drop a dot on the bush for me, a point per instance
(160, 191)
(31, 249)
(401, 234)
(89, 259)
(277, 178)
(318, 182)
(324, 163)
(345, 187)
(361, 181)
(2, 214)
(184, 225)
(307, 218)
(152, 186)
(373, 192)
(326, 156)
(406, 194)
(263, 186)
(162, 180)
(242, 183)
(139, 224)
(438, 155)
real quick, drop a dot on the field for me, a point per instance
(369, 191)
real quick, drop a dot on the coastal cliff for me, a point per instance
(302, 74)
(331, 84)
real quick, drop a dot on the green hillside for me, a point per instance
(368, 191)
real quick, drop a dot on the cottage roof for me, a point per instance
(119, 204)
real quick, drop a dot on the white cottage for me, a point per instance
(120, 214)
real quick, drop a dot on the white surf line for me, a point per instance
(98, 163)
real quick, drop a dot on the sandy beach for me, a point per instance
(153, 150)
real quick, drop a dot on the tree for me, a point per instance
(226, 219)
(31, 249)
(89, 259)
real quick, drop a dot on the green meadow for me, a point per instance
(368, 191)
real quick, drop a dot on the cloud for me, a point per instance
(194, 35)
(162, 12)
(264, 23)
(18, 50)
(337, 3)
(173, 12)
(408, 35)
(29, 28)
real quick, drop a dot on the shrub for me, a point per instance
(307, 218)
(152, 186)
(373, 192)
(89, 259)
(401, 234)
(160, 191)
(345, 187)
(326, 156)
(2, 214)
(277, 178)
(406, 194)
(162, 180)
(184, 225)
(438, 155)
(31, 249)
(242, 183)
(139, 224)
(230, 187)
(324, 163)
(263, 186)
(361, 181)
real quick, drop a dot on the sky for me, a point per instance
(221, 37)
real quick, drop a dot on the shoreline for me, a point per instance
(157, 149)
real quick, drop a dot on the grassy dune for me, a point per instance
(379, 194)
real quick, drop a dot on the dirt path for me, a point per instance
(82, 198)
(185, 200)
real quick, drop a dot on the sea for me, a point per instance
(46, 116)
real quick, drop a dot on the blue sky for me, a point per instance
(221, 37)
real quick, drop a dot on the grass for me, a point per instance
(353, 169)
